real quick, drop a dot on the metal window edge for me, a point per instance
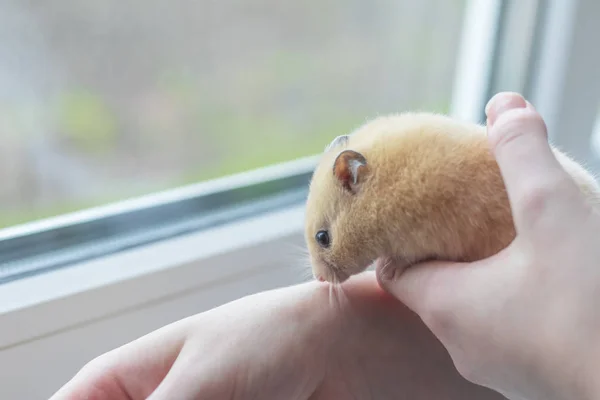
(59, 242)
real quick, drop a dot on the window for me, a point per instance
(104, 101)
(124, 122)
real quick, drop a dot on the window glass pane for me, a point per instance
(105, 100)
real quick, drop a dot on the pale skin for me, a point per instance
(284, 344)
(523, 322)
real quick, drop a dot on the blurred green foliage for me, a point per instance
(87, 121)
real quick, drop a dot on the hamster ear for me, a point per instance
(350, 168)
(340, 140)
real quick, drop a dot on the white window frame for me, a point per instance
(566, 82)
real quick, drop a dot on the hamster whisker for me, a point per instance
(302, 271)
(298, 249)
(295, 251)
(301, 265)
(341, 295)
(336, 294)
(306, 276)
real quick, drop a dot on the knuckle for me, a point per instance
(476, 362)
(476, 368)
(103, 362)
(466, 370)
(535, 201)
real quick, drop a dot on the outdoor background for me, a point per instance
(104, 100)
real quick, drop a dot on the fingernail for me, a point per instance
(501, 103)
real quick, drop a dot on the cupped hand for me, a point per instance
(302, 342)
(524, 322)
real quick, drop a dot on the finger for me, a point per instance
(197, 375)
(421, 286)
(443, 294)
(535, 181)
(91, 386)
(130, 371)
(180, 382)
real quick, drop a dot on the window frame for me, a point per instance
(566, 80)
(42, 246)
(143, 226)
(106, 296)
(62, 241)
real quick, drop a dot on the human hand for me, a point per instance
(297, 343)
(524, 322)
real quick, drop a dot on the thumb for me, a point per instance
(424, 286)
(441, 292)
(531, 172)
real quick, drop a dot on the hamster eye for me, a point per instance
(322, 238)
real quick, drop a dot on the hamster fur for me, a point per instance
(411, 187)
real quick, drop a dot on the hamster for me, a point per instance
(411, 187)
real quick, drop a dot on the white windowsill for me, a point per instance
(41, 305)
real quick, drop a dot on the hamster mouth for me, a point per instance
(331, 273)
(336, 274)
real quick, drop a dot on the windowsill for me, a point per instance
(40, 305)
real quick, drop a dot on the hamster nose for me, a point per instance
(320, 278)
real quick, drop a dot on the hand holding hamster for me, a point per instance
(525, 321)
(517, 308)
(408, 188)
